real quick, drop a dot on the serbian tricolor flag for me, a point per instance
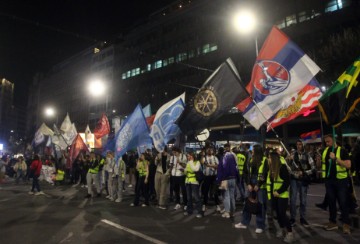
(311, 137)
(102, 127)
(281, 70)
(300, 103)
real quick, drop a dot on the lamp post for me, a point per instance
(245, 22)
(50, 112)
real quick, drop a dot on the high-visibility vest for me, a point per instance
(122, 168)
(240, 162)
(341, 172)
(59, 175)
(190, 174)
(260, 172)
(277, 183)
(94, 170)
(143, 169)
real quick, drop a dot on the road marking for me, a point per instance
(136, 233)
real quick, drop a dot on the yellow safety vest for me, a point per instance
(260, 171)
(95, 170)
(190, 174)
(143, 169)
(276, 184)
(341, 172)
(59, 175)
(240, 162)
(122, 168)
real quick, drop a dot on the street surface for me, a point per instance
(63, 215)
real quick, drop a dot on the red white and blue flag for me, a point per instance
(311, 137)
(281, 70)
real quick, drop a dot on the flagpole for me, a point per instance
(261, 112)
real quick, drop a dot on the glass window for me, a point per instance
(303, 16)
(158, 64)
(137, 71)
(213, 47)
(206, 48)
(280, 24)
(171, 60)
(123, 76)
(290, 20)
(191, 54)
(334, 5)
(128, 74)
(165, 62)
(133, 72)
(149, 67)
(181, 57)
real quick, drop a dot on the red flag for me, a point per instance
(102, 127)
(150, 120)
(77, 146)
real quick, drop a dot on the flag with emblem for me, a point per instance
(134, 132)
(164, 128)
(299, 104)
(217, 96)
(341, 99)
(102, 127)
(281, 70)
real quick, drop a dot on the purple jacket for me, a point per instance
(227, 169)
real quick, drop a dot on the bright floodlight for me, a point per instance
(49, 112)
(97, 88)
(245, 21)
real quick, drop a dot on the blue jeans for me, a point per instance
(261, 216)
(297, 187)
(229, 196)
(35, 183)
(192, 191)
(241, 187)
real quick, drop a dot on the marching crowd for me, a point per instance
(264, 181)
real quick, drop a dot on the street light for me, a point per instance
(50, 112)
(97, 88)
(245, 22)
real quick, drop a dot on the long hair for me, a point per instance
(275, 164)
(258, 155)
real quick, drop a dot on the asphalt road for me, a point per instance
(63, 215)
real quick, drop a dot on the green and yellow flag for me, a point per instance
(338, 103)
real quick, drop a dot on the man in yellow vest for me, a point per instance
(92, 175)
(337, 163)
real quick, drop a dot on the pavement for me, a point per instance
(63, 215)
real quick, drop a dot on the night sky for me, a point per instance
(37, 34)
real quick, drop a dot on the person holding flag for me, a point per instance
(337, 162)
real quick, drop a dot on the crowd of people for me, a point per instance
(265, 182)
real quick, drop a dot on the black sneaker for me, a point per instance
(88, 196)
(292, 222)
(320, 205)
(304, 223)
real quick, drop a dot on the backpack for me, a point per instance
(199, 175)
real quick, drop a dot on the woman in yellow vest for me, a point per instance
(278, 183)
(192, 185)
(142, 185)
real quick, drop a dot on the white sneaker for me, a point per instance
(111, 199)
(177, 206)
(279, 233)
(132, 205)
(130, 185)
(289, 238)
(31, 193)
(144, 205)
(118, 200)
(203, 208)
(39, 193)
(225, 215)
(218, 209)
(240, 226)
(185, 208)
(108, 196)
(259, 231)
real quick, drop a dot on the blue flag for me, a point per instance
(164, 128)
(133, 133)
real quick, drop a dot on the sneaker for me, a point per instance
(240, 226)
(218, 209)
(222, 211)
(292, 222)
(280, 233)
(111, 199)
(39, 193)
(118, 200)
(177, 206)
(331, 226)
(346, 229)
(185, 208)
(289, 238)
(144, 205)
(31, 193)
(186, 213)
(304, 223)
(203, 208)
(130, 185)
(199, 216)
(88, 196)
(259, 231)
(132, 205)
(162, 207)
(108, 196)
(225, 215)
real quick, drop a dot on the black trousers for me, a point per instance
(179, 183)
(280, 206)
(209, 186)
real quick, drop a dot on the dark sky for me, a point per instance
(36, 34)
